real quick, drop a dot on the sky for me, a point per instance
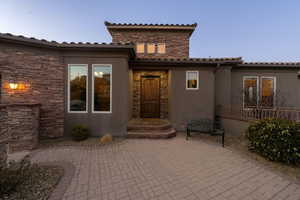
(257, 30)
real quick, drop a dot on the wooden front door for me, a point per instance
(150, 86)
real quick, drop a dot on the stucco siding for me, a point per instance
(287, 86)
(191, 104)
(223, 87)
(234, 127)
(103, 123)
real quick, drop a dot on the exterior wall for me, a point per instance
(177, 42)
(3, 136)
(187, 105)
(114, 123)
(22, 126)
(234, 127)
(223, 87)
(19, 128)
(136, 101)
(287, 86)
(42, 72)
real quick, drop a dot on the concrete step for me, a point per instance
(150, 127)
(153, 134)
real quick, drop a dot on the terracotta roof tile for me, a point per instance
(135, 24)
(43, 42)
(270, 64)
(190, 60)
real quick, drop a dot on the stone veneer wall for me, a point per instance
(19, 127)
(177, 42)
(3, 135)
(42, 72)
(136, 91)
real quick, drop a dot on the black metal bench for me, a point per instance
(205, 126)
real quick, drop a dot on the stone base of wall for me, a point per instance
(136, 107)
(20, 126)
(3, 153)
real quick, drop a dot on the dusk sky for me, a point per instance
(257, 30)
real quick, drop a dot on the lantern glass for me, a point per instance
(13, 86)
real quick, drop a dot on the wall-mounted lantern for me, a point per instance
(13, 85)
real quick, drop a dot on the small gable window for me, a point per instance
(192, 80)
(151, 48)
(140, 48)
(161, 48)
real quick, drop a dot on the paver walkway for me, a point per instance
(167, 170)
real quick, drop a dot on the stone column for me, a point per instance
(19, 127)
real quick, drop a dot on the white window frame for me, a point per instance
(69, 88)
(186, 80)
(257, 90)
(274, 82)
(93, 80)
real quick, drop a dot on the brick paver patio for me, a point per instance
(167, 170)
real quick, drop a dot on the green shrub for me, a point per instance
(12, 175)
(275, 139)
(80, 132)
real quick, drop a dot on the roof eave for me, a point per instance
(68, 46)
(265, 65)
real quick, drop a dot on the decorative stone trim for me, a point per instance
(136, 107)
(19, 126)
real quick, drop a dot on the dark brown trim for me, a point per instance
(269, 65)
(192, 62)
(32, 42)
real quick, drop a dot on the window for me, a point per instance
(192, 80)
(150, 48)
(262, 94)
(267, 91)
(78, 84)
(140, 48)
(250, 91)
(161, 48)
(102, 90)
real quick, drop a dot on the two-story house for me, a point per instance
(146, 72)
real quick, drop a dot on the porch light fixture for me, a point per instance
(13, 85)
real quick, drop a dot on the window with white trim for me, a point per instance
(259, 91)
(250, 91)
(267, 92)
(192, 80)
(77, 86)
(102, 88)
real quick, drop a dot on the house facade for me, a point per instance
(146, 72)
